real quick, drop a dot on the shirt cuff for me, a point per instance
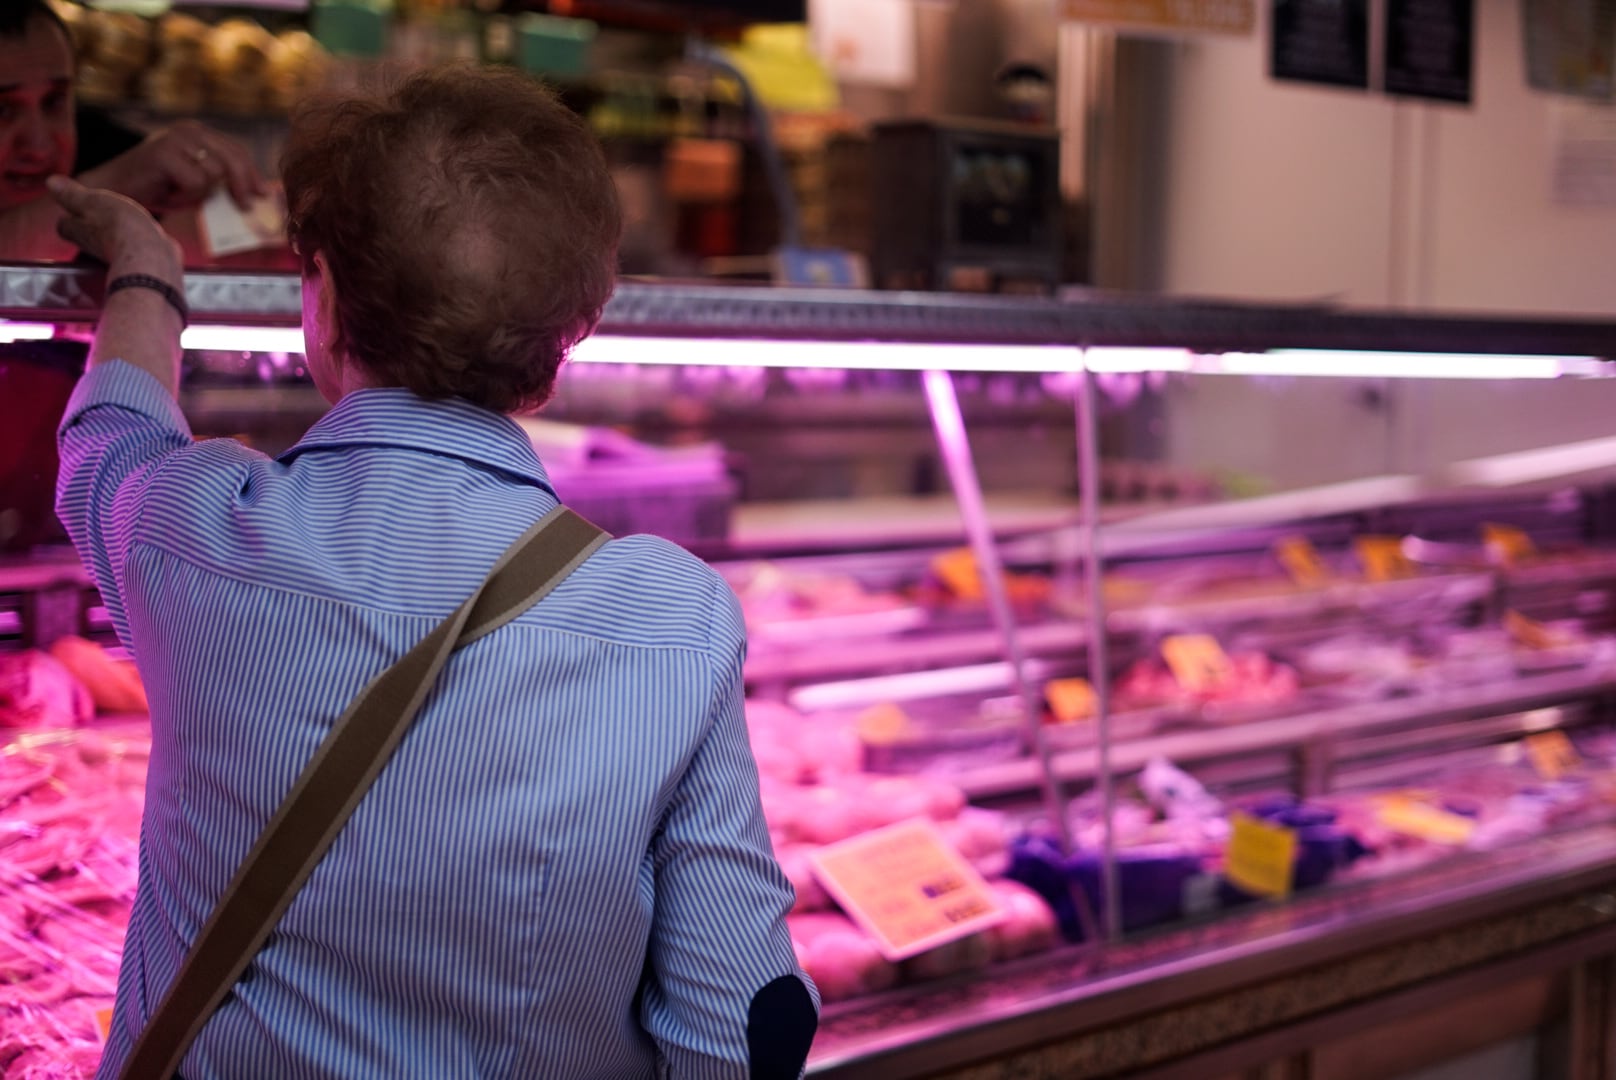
(115, 382)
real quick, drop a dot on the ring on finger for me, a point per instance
(199, 155)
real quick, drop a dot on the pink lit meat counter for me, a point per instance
(72, 774)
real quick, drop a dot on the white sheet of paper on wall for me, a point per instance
(865, 42)
(1584, 155)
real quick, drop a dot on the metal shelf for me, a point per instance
(1295, 732)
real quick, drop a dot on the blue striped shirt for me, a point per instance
(563, 872)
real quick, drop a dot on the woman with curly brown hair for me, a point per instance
(562, 870)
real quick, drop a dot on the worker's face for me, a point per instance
(37, 137)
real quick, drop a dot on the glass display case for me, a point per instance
(1251, 766)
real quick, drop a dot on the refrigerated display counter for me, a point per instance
(1399, 724)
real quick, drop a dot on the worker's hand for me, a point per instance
(117, 230)
(179, 167)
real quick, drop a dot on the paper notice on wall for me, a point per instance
(865, 42)
(1571, 46)
(1584, 155)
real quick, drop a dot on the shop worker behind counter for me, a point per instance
(43, 132)
(563, 871)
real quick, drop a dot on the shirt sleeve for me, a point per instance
(718, 933)
(119, 426)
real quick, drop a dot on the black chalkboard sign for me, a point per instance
(1429, 48)
(1321, 41)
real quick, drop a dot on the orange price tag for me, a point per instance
(1301, 560)
(1382, 558)
(103, 1022)
(907, 888)
(1533, 634)
(1507, 544)
(880, 724)
(1552, 754)
(958, 571)
(1198, 661)
(1070, 699)
(1261, 858)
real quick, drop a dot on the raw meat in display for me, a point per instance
(798, 749)
(982, 836)
(1029, 926)
(1255, 680)
(770, 593)
(37, 692)
(114, 684)
(839, 957)
(802, 817)
(795, 860)
(70, 806)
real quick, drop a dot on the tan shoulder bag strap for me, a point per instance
(333, 782)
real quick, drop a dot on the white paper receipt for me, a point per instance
(227, 230)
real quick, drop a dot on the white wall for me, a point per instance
(1273, 190)
(1283, 191)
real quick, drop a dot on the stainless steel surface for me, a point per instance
(69, 293)
(955, 446)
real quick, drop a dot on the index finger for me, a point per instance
(72, 195)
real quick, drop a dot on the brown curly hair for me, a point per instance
(469, 224)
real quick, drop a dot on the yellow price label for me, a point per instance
(1382, 558)
(1070, 699)
(1507, 544)
(907, 887)
(1414, 818)
(959, 573)
(1552, 754)
(1261, 858)
(1198, 662)
(1302, 562)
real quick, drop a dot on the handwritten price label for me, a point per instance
(882, 724)
(1302, 562)
(907, 888)
(1261, 858)
(1414, 818)
(958, 572)
(1533, 634)
(1507, 544)
(1070, 700)
(1198, 662)
(1552, 754)
(1382, 558)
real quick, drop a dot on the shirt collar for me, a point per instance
(392, 416)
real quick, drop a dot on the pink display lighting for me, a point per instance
(25, 331)
(744, 353)
(1108, 360)
(874, 355)
(266, 339)
(1395, 365)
